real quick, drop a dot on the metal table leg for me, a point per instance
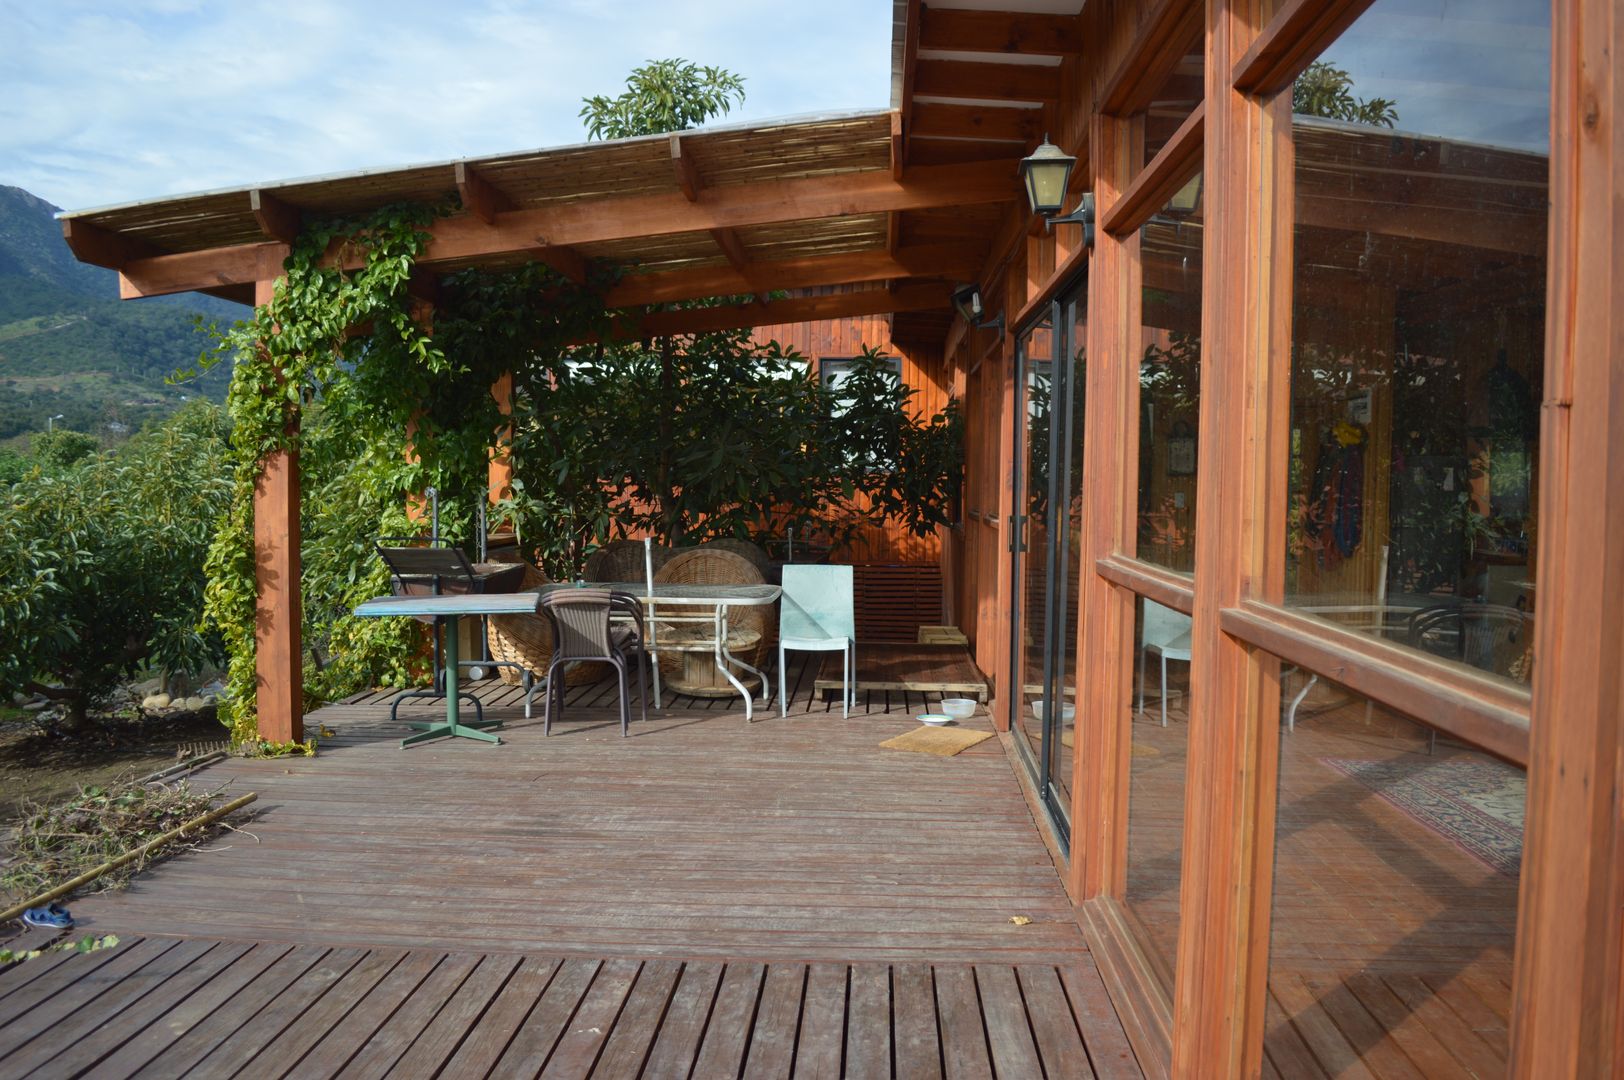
(453, 727)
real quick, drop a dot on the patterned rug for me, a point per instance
(1475, 803)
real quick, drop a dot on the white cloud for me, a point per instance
(104, 102)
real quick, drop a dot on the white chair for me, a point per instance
(1168, 632)
(818, 614)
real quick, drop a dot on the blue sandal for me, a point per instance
(52, 917)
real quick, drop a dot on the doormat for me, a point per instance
(1475, 804)
(941, 741)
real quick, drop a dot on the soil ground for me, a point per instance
(40, 767)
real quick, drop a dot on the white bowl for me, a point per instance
(1068, 711)
(935, 719)
(959, 707)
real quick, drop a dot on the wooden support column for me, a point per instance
(1006, 677)
(278, 646)
(1104, 635)
(1568, 1004)
(501, 467)
(1234, 743)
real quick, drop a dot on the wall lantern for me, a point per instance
(967, 302)
(1046, 174)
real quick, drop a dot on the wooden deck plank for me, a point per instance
(335, 1006)
(527, 1054)
(445, 1033)
(56, 996)
(677, 1045)
(1059, 1043)
(175, 1024)
(820, 1046)
(107, 1011)
(188, 973)
(778, 1016)
(219, 1025)
(1456, 1035)
(36, 986)
(244, 1045)
(727, 1035)
(932, 669)
(584, 1037)
(495, 1029)
(395, 1037)
(1108, 1048)
(1283, 1044)
(1009, 1031)
(17, 975)
(964, 1038)
(628, 1044)
(916, 1029)
(868, 1021)
(340, 1044)
(1473, 1012)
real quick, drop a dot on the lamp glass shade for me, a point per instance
(967, 302)
(1046, 174)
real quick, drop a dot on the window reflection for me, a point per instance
(1418, 329)
(1170, 380)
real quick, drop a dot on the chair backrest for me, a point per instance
(818, 603)
(580, 619)
(424, 563)
(631, 607)
(1163, 625)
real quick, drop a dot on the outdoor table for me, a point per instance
(450, 609)
(719, 598)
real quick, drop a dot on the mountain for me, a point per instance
(69, 346)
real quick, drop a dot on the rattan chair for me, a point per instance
(623, 560)
(581, 631)
(745, 549)
(749, 628)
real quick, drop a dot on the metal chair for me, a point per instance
(818, 614)
(581, 631)
(1168, 633)
(429, 567)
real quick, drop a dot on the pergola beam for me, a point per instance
(277, 220)
(465, 238)
(687, 174)
(916, 297)
(484, 200)
(1023, 33)
(921, 260)
(97, 246)
(933, 119)
(989, 82)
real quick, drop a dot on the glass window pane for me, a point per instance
(1176, 98)
(1395, 896)
(1170, 380)
(1418, 328)
(1157, 761)
(1033, 526)
(1070, 553)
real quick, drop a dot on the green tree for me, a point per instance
(59, 448)
(663, 95)
(1327, 91)
(101, 563)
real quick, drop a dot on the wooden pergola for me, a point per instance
(883, 211)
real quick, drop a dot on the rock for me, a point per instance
(148, 686)
(36, 705)
(213, 690)
(191, 704)
(155, 701)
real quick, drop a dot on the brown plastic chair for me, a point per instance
(581, 631)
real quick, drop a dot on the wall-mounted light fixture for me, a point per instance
(967, 302)
(1046, 173)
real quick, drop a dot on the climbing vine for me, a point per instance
(383, 397)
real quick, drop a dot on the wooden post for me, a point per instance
(1568, 1006)
(278, 646)
(1226, 884)
(501, 467)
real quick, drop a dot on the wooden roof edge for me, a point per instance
(803, 120)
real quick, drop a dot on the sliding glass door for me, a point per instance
(1046, 519)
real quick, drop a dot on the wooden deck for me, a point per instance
(705, 898)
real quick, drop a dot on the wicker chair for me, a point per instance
(527, 640)
(750, 629)
(745, 548)
(622, 560)
(581, 631)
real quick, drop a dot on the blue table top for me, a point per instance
(523, 603)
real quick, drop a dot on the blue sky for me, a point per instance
(108, 102)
